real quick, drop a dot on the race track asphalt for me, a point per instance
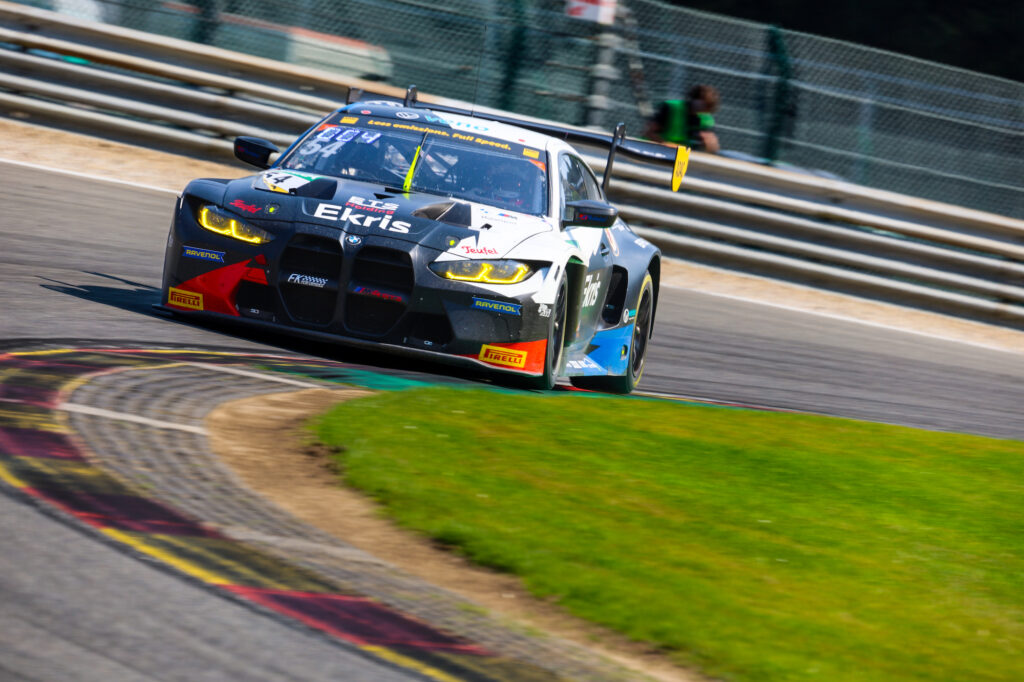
(81, 259)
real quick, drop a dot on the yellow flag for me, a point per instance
(679, 170)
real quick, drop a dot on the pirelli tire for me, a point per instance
(556, 341)
(637, 348)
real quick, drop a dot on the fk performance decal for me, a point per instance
(40, 456)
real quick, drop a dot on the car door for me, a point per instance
(578, 182)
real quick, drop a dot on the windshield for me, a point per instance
(449, 163)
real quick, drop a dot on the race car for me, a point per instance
(422, 231)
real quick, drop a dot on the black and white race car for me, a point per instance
(416, 230)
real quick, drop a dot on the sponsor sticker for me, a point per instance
(248, 208)
(591, 286)
(531, 153)
(351, 119)
(407, 114)
(505, 357)
(496, 306)
(345, 214)
(285, 181)
(584, 364)
(307, 280)
(479, 251)
(377, 293)
(184, 299)
(543, 310)
(202, 254)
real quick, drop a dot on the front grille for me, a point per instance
(384, 269)
(387, 268)
(371, 316)
(311, 255)
(314, 257)
(309, 305)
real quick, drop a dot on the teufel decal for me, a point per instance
(479, 251)
(307, 280)
(184, 299)
(505, 357)
(331, 212)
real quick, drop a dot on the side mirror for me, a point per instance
(254, 151)
(589, 213)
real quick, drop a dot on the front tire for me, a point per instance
(556, 341)
(637, 348)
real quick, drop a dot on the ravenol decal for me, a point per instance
(506, 357)
(202, 254)
(184, 299)
(496, 306)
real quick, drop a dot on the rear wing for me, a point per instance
(678, 157)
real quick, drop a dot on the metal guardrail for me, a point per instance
(177, 94)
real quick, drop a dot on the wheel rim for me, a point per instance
(641, 332)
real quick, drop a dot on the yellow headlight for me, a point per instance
(484, 271)
(214, 220)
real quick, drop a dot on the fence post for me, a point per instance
(781, 102)
(514, 42)
(602, 73)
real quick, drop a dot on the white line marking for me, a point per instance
(123, 416)
(845, 318)
(227, 369)
(79, 174)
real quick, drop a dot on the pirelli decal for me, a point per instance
(506, 357)
(184, 299)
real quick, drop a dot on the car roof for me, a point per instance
(482, 126)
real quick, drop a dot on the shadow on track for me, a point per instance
(141, 299)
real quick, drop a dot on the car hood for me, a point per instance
(457, 227)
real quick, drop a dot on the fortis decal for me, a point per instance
(496, 306)
(331, 212)
(307, 280)
(202, 254)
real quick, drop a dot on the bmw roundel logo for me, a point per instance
(354, 240)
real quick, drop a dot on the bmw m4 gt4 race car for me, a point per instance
(419, 231)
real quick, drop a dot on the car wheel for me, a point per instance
(637, 348)
(556, 341)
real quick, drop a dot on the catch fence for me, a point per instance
(791, 99)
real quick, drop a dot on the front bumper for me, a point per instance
(367, 290)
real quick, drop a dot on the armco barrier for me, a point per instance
(732, 213)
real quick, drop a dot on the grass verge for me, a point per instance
(750, 545)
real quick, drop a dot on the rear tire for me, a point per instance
(637, 348)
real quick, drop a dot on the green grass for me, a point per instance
(751, 545)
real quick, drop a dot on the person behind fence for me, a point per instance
(688, 122)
